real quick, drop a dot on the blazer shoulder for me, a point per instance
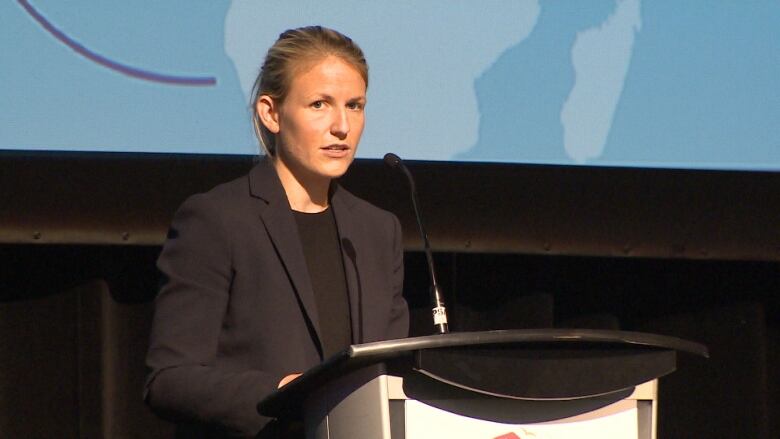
(223, 197)
(226, 208)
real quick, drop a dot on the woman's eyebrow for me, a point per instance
(327, 97)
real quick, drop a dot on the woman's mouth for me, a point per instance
(336, 150)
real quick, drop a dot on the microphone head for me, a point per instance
(392, 160)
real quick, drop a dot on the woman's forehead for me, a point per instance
(329, 75)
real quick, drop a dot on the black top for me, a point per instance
(321, 247)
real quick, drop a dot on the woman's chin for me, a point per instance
(335, 168)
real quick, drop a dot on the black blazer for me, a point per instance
(237, 311)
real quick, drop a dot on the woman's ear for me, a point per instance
(268, 112)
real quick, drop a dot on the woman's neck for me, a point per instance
(308, 195)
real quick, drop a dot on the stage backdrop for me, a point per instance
(661, 83)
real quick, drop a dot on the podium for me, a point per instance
(495, 385)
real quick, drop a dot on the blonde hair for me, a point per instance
(292, 52)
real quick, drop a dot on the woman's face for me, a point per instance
(318, 125)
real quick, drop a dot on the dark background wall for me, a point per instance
(687, 253)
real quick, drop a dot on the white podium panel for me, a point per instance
(630, 418)
(620, 420)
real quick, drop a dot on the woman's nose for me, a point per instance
(340, 125)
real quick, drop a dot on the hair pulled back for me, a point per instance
(292, 53)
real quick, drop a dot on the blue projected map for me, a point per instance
(653, 83)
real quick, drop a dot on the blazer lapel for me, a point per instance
(347, 224)
(277, 217)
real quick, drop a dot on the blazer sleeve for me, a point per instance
(185, 383)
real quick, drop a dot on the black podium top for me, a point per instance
(523, 364)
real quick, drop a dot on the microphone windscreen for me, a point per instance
(392, 160)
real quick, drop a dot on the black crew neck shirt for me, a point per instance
(322, 249)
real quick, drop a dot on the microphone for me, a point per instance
(439, 312)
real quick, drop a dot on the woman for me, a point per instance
(271, 273)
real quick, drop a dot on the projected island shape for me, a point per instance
(630, 83)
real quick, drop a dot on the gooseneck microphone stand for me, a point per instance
(438, 310)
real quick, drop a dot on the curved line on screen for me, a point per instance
(113, 65)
